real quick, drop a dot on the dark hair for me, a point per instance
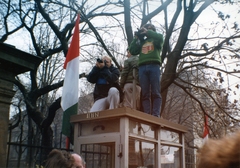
(150, 26)
(59, 159)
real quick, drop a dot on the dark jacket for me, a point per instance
(104, 79)
(127, 72)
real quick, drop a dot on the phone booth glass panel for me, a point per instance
(170, 157)
(141, 154)
(99, 155)
(142, 129)
(170, 136)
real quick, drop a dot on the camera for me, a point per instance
(139, 34)
(99, 60)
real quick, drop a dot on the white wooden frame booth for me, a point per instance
(127, 138)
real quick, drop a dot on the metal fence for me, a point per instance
(22, 155)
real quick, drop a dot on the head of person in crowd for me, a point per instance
(59, 159)
(221, 153)
(78, 161)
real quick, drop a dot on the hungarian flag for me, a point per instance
(206, 130)
(69, 101)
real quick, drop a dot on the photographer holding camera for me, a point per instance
(148, 44)
(107, 90)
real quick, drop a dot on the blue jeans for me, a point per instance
(149, 78)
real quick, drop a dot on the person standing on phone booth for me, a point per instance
(147, 43)
(127, 84)
(107, 93)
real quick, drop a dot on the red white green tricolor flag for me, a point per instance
(206, 130)
(70, 95)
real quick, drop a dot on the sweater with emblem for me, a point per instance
(149, 50)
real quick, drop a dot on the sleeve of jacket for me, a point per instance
(93, 75)
(135, 47)
(158, 38)
(124, 73)
(110, 74)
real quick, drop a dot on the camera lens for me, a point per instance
(99, 60)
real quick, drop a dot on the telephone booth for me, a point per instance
(127, 138)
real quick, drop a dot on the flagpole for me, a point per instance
(67, 143)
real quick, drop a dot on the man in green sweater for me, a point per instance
(148, 45)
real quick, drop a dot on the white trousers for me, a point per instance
(128, 95)
(109, 102)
